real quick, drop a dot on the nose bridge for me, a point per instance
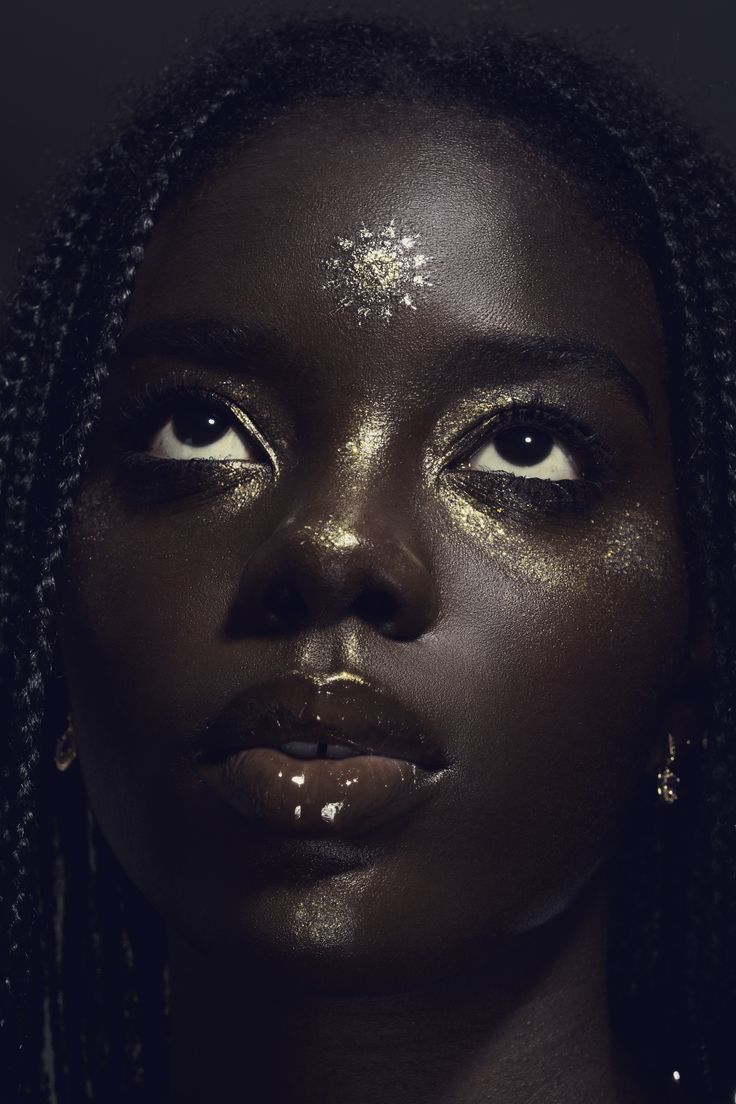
(345, 544)
(358, 476)
(358, 490)
(346, 467)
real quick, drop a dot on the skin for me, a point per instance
(465, 961)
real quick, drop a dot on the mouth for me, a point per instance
(335, 719)
(308, 758)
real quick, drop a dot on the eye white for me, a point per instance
(559, 464)
(168, 445)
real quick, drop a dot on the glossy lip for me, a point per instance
(319, 797)
(336, 709)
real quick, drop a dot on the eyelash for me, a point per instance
(552, 496)
(156, 394)
(140, 415)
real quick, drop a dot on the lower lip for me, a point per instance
(319, 796)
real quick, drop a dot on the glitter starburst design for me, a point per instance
(378, 271)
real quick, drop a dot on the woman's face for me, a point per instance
(538, 644)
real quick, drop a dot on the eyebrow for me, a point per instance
(234, 346)
(199, 340)
(532, 357)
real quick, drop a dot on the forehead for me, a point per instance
(509, 241)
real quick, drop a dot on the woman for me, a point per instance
(372, 395)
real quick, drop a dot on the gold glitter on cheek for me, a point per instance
(636, 544)
(93, 510)
(552, 551)
(628, 543)
(513, 555)
(243, 489)
(378, 271)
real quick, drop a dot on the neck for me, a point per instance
(529, 1025)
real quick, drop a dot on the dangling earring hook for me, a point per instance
(668, 782)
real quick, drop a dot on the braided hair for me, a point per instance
(83, 977)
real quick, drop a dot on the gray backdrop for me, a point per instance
(61, 62)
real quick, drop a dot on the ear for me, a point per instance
(685, 716)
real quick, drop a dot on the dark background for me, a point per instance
(62, 62)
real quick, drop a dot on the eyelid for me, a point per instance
(536, 411)
(143, 412)
(239, 417)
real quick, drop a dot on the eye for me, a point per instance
(200, 430)
(526, 450)
(540, 455)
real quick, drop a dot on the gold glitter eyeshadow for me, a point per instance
(378, 272)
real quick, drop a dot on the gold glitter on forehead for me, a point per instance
(378, 271)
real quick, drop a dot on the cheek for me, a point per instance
(144, 600)
(563, 657)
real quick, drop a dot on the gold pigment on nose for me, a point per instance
(378, 272)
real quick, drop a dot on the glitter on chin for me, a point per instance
(378, 271)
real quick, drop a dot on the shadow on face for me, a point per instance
(485, 451)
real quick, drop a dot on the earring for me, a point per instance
(66, 752)
(667, 781)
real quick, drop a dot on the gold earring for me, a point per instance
(66, 752)
(667, 781)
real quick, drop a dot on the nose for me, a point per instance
(319, 567)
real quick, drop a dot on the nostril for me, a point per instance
(283, 602)
(376, 605)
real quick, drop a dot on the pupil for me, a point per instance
(198, 427)
(524, 445)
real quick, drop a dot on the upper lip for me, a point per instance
(335, 709)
